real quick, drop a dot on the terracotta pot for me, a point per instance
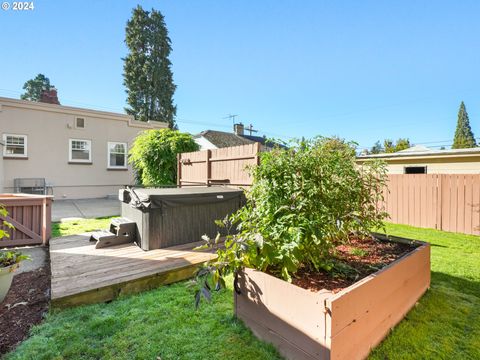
(6, 277)
(303, 324)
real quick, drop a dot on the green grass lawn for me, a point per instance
(446, 322)
(72, 227)
(162, 323)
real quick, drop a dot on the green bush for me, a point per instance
(8, 258)
(304, 201)
(4, 225)
(154, 155)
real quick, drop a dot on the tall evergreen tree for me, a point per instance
(147, 69)
(34, 87)
(463, 134)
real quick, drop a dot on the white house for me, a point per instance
(81, 153)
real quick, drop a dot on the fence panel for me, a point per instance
(449, 202)
(218, 166)
(31, 217)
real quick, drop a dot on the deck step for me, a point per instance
(122, 231)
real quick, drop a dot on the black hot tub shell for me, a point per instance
(175, 216)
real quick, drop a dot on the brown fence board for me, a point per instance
(218, 166)
(449, 202)
(31, 216)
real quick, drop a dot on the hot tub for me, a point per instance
(175, 216)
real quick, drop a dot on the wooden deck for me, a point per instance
(82, 274)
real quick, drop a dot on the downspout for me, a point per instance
(2, 174)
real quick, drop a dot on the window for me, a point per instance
(117, 155)
(415, 169)
(80, 123)
(80, 151)
(15, 145)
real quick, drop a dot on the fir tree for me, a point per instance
(463, 134)
(147, 69)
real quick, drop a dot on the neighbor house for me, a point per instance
(423, 160)
(81, 153)
(213, 139)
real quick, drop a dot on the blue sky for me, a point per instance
(362, 70)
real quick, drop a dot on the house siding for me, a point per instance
(49, 128)
(469, 164)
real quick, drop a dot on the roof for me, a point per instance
(223, 139)
(36, 105)
(415, 149)
(423, 151)
(261, 139)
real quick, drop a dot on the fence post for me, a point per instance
(208, 154)
(257, 151)
(440, 202)
(179, 169)
(44, 221)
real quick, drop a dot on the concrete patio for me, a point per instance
(85, 208)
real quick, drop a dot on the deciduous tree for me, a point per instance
(154, 155)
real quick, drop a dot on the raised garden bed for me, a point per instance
(338, 324)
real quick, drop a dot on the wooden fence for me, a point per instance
(218, 166)
(31, 217)
(449, 202)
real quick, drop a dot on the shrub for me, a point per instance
(8, 258)
(303, 202)
(154, 155)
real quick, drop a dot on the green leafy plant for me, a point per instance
(4, 224)
(154, 155)
(8, 258)
(303, 202)
(359, 252)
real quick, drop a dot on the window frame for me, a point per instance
(71, 160)
(25, 146)
(415, 166)
(109, 144)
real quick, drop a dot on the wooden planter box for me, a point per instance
(321, 325)
(31, 216)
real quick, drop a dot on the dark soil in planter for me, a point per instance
(25, 305)
(362, 257)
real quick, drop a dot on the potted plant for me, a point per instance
(309, 276)
(9, 260)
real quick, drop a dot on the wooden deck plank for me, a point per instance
(82, 274)
(84, 282)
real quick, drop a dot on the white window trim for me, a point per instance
(25, 139)
(110, 143)
(89, 142)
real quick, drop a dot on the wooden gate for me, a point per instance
(449, 202)
(31, 217)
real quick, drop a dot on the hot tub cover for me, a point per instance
(172, 197)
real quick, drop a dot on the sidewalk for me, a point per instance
(85, 208)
